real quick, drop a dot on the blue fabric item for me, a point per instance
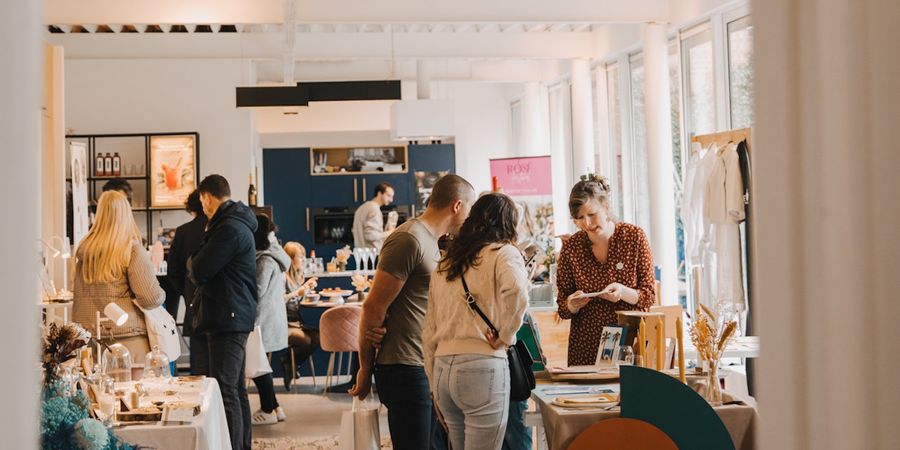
(518, 436)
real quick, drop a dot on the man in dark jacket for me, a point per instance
(186, 243)
(224, 306)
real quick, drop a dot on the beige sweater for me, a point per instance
(500, 285)
(139, 283)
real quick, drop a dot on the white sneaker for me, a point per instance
(261, 417)
(279, 413)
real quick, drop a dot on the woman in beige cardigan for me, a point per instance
(465, 362)
(111, 266)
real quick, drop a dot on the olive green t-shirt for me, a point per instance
(411, 254)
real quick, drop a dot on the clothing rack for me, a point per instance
(723, 137)
(720, 139)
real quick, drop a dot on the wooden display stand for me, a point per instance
(655, 322)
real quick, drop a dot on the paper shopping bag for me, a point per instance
(256, 363)
(359, 427)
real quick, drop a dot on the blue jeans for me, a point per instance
(518, 436)
(403, 390)
(472, 392)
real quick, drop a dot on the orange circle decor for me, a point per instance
(615, 434)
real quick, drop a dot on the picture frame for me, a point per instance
(611, 338)
(173, 169)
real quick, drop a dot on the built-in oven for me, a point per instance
(334, 226)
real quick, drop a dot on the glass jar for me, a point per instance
(156, 364)
(713, 385)
(117, 362)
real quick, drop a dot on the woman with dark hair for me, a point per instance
(186, 242)
(466, 363)
(271, 262)
(606, 257)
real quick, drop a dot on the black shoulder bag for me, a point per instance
(521, 378)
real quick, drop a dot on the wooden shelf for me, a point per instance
(340, 157)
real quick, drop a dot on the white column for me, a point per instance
(604, 159)
(624, 86)
(582, 119)
(659, 154)
(20, 176)
(535, 129)
(827, 253)
(423, 80)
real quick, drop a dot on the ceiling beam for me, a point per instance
(328, 46)
(354, 11)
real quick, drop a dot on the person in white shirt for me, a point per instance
(368, 222)
(465, 361)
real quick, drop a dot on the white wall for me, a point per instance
(167, 95)
(481, 115)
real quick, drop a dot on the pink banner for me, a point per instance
(522, 176)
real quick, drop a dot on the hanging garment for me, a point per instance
(724, 208)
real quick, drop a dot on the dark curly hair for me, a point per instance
(493, 219)
(263, 228)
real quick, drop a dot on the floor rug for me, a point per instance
(319, 443)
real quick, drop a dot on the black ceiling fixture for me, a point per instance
(319, 91)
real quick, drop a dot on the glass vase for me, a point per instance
(713, 386)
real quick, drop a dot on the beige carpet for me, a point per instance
(320, 443)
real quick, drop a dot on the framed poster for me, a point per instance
(173, 169)
(80, 223)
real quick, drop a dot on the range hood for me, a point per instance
(422, 120)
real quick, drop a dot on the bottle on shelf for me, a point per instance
(99, 167)
(107, 165)
(116, 165)
(251, 193)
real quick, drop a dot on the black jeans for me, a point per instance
(404, 391)
(199, 353)
(226, 364)
(266, 388)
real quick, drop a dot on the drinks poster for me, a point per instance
(173, 169)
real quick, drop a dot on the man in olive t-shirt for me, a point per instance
(395, 308)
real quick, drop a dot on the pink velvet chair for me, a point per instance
(339, 333)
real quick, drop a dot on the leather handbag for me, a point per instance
(521, 378)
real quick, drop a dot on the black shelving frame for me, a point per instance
(93, 180)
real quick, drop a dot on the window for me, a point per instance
(699, 81)
(641, 168)
(740, 72)
(615, 140)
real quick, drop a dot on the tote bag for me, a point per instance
(359, 427)
(162, 331)
(255, 362)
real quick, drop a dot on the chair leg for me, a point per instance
(312, 370)
(328, 375)
(293, 367)
(340, 363)
(350, 364)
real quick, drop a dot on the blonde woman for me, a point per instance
(111, 266)
(296, 286)
(302, 341)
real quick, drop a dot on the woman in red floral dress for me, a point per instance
(610, 257)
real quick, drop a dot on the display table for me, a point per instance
(342, 274)
(562, 425)
(208, 430)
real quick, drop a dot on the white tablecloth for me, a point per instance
(208, 431)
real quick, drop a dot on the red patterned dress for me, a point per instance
(629, 262)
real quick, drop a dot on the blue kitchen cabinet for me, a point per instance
(432, 158)
(335, 190)
(399, 181)
(286, 187)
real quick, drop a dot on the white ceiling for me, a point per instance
(486, 40)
